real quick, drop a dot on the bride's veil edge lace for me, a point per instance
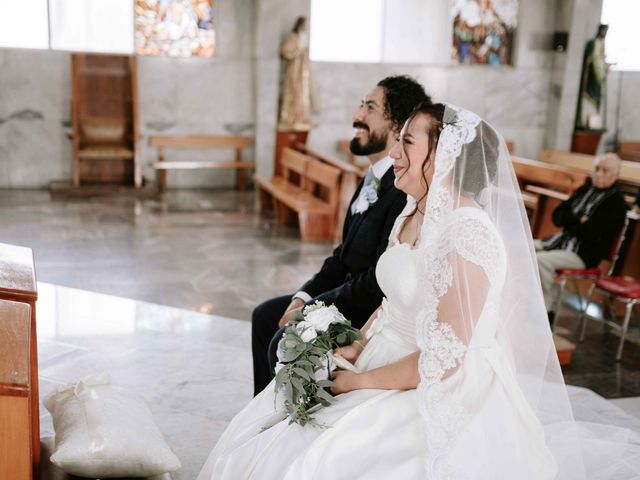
(473, 169)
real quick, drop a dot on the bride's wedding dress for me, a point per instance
(489, 377)
(378, 434)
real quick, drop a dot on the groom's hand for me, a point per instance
(295, 305)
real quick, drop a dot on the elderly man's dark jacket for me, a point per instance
(600, 231)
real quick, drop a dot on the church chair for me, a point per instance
(574, 275)
(623, 289)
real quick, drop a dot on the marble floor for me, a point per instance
(206, 251)
(194, 369)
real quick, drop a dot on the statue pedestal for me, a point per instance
(586, 141)
(287, 138)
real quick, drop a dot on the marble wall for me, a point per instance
(35, 97)
(623, 109)
(513, 98)
(532, 103)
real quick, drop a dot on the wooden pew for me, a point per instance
(18, 284)
(537, 177)
(237, 143)
(15, 393)
(308, 191)
(629, 171)
(557, 177)
(629, 151)
(350, 176)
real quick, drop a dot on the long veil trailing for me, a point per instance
(484, 335)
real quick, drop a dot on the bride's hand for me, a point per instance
(350, 352)
(345, 381)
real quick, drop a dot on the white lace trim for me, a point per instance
(473, 237)
(469, 233)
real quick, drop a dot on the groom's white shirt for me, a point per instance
(379, 169)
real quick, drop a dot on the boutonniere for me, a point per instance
(368, 196)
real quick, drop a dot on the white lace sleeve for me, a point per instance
(463, 263)
(466, 260)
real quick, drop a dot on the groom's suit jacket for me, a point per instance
(347, 278)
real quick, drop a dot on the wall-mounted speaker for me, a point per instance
(560, 41)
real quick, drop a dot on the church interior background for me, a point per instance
(127, 162)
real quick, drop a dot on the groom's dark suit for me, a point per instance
(346, 279)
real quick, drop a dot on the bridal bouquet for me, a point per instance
(305, 360)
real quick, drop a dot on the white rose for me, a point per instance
(323, 317)
(278, 367)
(306, 331)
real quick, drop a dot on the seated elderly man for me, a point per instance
(590, 219)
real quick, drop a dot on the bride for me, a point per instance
(460, 378)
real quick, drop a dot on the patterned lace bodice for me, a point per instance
(409, 288)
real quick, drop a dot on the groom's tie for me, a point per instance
(368, 178)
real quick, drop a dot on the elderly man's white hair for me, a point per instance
(612, 157)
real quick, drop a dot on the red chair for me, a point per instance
(575, 274)
(623, 289)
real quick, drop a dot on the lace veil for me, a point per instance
(483, 321)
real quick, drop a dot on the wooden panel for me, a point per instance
(541, 173)
(287, 139)
(18, 283)
(108, 171)
(104, 97)
(15, 326)
(586, 141)
(629, 171)
(104, 85)
(334, 162)
(15, 451)
(325, 175)
(201, 164)
(348, 183)
(17, 275)
(629, 151)
(200, 141)
(294, 161)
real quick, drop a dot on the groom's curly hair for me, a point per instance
(401, 96)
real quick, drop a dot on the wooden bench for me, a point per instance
(15, 392)
(18, 287)
(350, 176)
(201, 141)
(629, 151)
(536, 178)
(307, 191)
(629, 171)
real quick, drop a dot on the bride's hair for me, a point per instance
(435, 112)
(477, 166)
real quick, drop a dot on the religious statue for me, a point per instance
(298, 95)
(592, 83)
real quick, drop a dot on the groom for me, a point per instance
(347, 278)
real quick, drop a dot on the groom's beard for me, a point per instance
(375, 144)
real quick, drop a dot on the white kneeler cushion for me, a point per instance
(106, 431)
